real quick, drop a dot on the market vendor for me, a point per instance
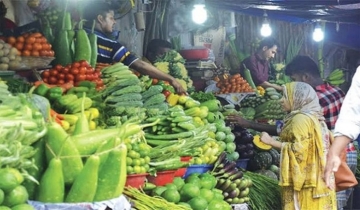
(110, 51)
(156, 48)
(6, 25)
(258, 63)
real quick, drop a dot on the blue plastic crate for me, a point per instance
(197, 169)
(242, 163)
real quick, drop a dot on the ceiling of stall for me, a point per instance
(342, 11)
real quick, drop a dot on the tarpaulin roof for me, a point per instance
(341, 14)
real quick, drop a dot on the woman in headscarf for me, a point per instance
(304, 143)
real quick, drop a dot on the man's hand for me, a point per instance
(177, 86)
(237, 120)
(332, 165)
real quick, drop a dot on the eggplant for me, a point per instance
(234, 193)
(241, 147)
(249, 146)
(237, 175)
(246, 137)
(237, 133)
(251, 153)
(220, 159)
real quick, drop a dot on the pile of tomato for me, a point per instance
(72, 73)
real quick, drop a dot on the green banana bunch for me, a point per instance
(336, 77)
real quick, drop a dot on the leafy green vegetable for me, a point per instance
(202, 96)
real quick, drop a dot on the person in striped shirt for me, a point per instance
(111, 51)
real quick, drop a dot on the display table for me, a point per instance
(120, 203)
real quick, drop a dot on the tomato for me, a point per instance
(69, 77)
(53, 72)
(84, 63)
(75, 64)
(60, 82)
(52, 80)
(45, 74)
(45, 80)
(61, 76)
(65, 70)
(154, 81)
(98, 74)
(74, 71)
(88, 71)
(80, 77)
(99, 82)
(58, 67)
(68, 66)
(166, 93)
(82, 70)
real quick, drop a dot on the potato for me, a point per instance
(1, 46)
(6, 51)
(4, 66)
(14, 65)
(18, 58)
(1, 53)
(4, 60)
(11, 57)
(13, 51)
(7, 46)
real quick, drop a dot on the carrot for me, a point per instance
(53, 113)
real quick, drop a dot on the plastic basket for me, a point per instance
(242, 163)
(135, 180)
(162, 178)
(31, 62)
(180, 172)
(185, 158)
(197, 169)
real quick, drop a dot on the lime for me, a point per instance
(189, 191)
(128, 161)
(147, 159)
(222, 145)
(171, 186)
(17, 174)
(129, 169)
(137, 169)
(136, 162)
(142, 161)
(1, 196)
(171, 195)
(132, 154)
(23, 206)
(179, 182)
(128, 146)
(142, 170)
(207, 194)
(16, 196)
(136, 147)
(157, 191)
(4, 208)
(198, 203)
(218, 196)
(147, 167)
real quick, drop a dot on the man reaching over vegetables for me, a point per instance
(258, 63)
(110, 51)
(157, 48)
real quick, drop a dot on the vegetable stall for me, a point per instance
(81, 134)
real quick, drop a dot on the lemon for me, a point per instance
(129, 169)
(137, 169)
(128, 161)
(171, 195)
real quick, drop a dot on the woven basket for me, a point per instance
(31, 62)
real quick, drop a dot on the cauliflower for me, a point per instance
(163, 66)
(182, 83)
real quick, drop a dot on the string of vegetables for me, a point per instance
(263, 185)
(145, 202)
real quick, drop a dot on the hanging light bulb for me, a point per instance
(265, 30)
(318, 34)
(199, 13)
